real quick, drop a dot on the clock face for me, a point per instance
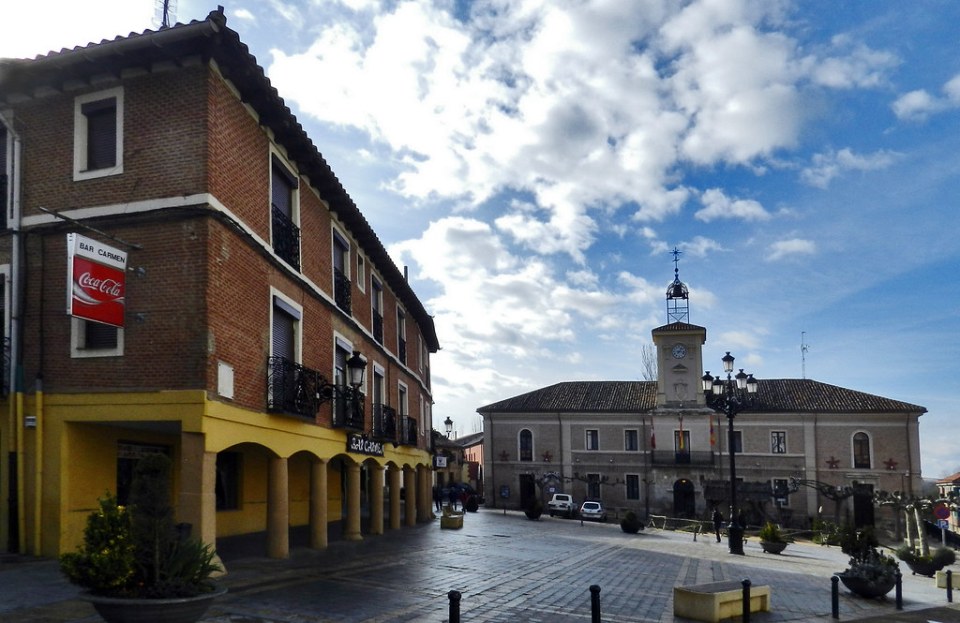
(679, 351)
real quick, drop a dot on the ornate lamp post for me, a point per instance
(448, 426)
(730, 396)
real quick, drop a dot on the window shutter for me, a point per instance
(283, 331)
(99, 336)
(101, 133)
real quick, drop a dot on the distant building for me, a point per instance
(948, 488)
(221, 287)
(657, 448)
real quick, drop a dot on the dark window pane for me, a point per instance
(99, 336)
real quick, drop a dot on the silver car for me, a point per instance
(593, 510)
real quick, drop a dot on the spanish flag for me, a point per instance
(681, 432)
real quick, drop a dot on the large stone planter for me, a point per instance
(175, 610)
(773, 547)
(924, 567)
(867, 588)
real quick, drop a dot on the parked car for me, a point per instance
(562, 504)
(593, 510)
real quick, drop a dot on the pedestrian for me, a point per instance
(437, 499)
(453, 498)
(717, 522)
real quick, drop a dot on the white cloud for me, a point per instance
(920, 104)
(718, 206)
(787, 248)
(854, 65)
(828, 165)
(699, 246)
(243, 14)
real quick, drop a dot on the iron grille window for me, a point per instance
(384, 422)
(292, 388)
(286, 238)
(778, 442)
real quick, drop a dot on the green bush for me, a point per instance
(771, 533)
(137, 551)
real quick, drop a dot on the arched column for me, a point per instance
(198, 481)
(394, 497)
(410, 496)
(376, 499)
(351, 526)
(278, 508)
(318, 505)
(424, 491)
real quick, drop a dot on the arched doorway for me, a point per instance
(684, 501)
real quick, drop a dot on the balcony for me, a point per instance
(384, 423)
(286, 238)
(341, 290)
(348, 409)
(671, 457)
(378, 326)
(408, 436)
(292, 389)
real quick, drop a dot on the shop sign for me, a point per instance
(440, 461)
(96, 280)
(359, 444)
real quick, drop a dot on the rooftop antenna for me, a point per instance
(804, 347)
(166, 13)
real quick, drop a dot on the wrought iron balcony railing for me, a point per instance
(384, 423)
(671, 457)
(286, 238)
(292, 388)
(408, 436)
(348, 408)
(341, 290)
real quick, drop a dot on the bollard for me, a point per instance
(899, 592)
(454, 597)
(595, 603)
(835, 596)
(746, 601)
(949, 586)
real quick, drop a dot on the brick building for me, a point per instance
(805, 449)
(254, 289)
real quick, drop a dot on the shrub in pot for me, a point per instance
(137, 554)
(472, 504)
(771, 539)
(534, 509)
(630, 523)
(926, 565)
(871, 573)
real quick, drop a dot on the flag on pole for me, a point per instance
(681, 432)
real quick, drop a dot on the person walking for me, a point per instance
(437, 497)
(717, 522)
(453, 498)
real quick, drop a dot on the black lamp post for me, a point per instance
(448, 425)
(730, 396)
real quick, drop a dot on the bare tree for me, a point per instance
(648, 362)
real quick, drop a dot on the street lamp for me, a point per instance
(448, 425)
(730, 396)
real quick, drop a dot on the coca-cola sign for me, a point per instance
(96, 276)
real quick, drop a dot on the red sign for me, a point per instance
(96, 278)
(940, 511)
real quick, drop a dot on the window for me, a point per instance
(361, 273)
(861, 451)
(780, 488)
(93, 339)
(681, 441)
(285, 325)
(526, 445)
(284, 202)
(98, 134)
(738, 442)
(633, 487)
(631, 440)
(593, 439)
(778, 442)
(402, 399)
(228, 481)
(593, 486)
(401, 336)
(376, 302)
(341, 279)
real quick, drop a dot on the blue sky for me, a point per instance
(534, 161)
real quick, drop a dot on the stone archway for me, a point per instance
(684, 499)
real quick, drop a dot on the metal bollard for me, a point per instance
(949, 586)
(835, 596)
(746, 600)
(454, 597)
(595, 603)
(899, 591)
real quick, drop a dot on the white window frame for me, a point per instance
(297, 325)
(81, 135)
(403, 396)
(361, 272)
(586, 439)
(78, 338)
(773, 436)
(636, 434)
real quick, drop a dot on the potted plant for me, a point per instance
(134, 562)
(534, 509)
(926, 565)
(771, 540)
(630, 523)
(871, 574)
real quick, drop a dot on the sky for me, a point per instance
(534, 162)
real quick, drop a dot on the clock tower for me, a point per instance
(679, 349)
